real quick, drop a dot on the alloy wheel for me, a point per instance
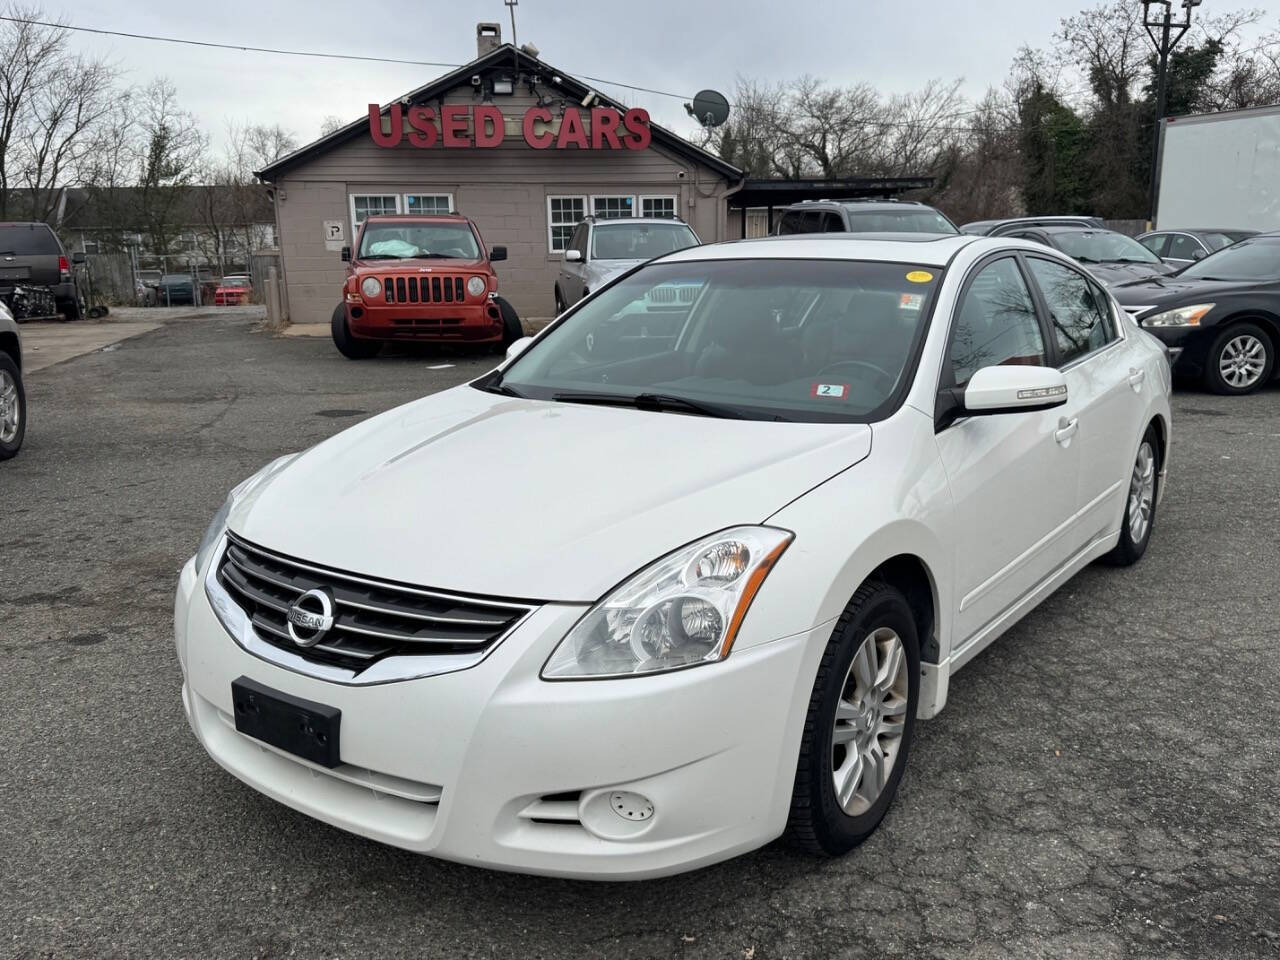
(10, 409)
(1142, 492)
(870, 720)
(1242, 361)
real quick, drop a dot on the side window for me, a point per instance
(1078, 311)
(579, 241)
(1157, 243)
(996, 323)
(1183, 247)
(792, 222)
(831, 223)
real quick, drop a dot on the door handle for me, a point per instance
(1136, 377)
(1066, 429)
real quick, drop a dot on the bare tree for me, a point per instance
(172, 154)
(330, 124)
(50, 102)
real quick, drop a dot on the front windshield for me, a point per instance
(1217, 239)
(1257, 259)
(1090, 246)
(639, 241)
(402, 241)
(810, 340)
(899, 221)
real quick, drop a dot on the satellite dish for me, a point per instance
(709, 108)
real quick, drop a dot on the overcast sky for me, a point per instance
(680, 46)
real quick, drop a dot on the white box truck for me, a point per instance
(1220, 170)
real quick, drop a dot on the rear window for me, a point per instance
(909, 220)
(29, 240)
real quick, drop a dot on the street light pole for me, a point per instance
(1171, 31)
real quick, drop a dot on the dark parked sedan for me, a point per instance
(175, 288)
(1111, 257)
(1181, 248)
(1220, 317)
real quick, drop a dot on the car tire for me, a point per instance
(349, 346)
(879, 619)
(561, 307)
(1240, 361)
(1140, 504)
(512, 328)
(13, 408)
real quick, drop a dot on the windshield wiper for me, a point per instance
(1088, 260)
(497, 386)
(379, 256)
(652, 401)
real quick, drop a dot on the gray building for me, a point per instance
(522, 148)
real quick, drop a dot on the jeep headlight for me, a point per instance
(1181, 317)
(218, 525)
(371, 287)
(476, 286)
(680, 611)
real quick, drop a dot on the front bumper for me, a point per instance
(495, 767)
(476, 322)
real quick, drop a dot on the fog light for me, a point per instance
(630, 806)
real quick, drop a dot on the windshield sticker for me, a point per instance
(837, 391)
(919, 276)
(911, 302)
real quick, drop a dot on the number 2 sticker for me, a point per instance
(836, 390)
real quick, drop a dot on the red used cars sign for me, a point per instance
(483, 125)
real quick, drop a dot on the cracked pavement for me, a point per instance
(1102, 784)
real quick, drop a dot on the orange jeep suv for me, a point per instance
(421, 278)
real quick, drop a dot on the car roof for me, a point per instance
(853, 204)
(929, 249)
(598, 221)
(1252, 233)
(415, 217)
(1059, 229)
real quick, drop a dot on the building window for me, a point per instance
(613, 206)
(563, 214)
(658, 207)
(369, 205)
(428, 203)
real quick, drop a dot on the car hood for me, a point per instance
(480, 493)
(1111, 274)
(1175, 291)
(602, 271)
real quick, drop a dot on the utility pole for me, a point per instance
(1165, 33)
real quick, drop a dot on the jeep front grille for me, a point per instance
(373, 619)
(424, 289)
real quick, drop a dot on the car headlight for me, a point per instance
(371, 287)
(1181, 317)
(680, 611)
(218, 525)
(476, 286)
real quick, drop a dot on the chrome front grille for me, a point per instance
(372, 619)
(424, 289)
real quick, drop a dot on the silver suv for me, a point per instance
(861, 215)
(13, 401)
(601, 248)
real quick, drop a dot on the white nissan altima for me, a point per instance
(681, 576)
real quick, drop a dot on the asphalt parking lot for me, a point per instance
(1104, 783)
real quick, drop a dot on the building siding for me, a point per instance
(503, 189)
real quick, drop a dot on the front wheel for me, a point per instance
(1140, 507)
(349, 346)
(13, 408)
(512, 329)
(859, 725)
(1240, 360)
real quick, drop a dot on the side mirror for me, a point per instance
(77, 256)
(518, 347)
(497, 253)
(1014, 389)
(572, 256)
(346, 254)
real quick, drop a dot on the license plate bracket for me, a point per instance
(302, 727)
